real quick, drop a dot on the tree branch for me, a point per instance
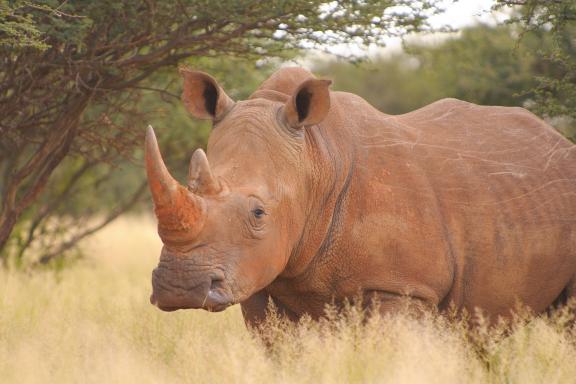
(111, 217)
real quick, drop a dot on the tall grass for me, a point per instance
(92, 323)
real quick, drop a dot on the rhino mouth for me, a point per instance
(208, 306)
(215, 299)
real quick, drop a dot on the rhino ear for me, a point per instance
(203, 97)
(310, 103)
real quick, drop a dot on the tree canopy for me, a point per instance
(483, 64)
(555, 93)
(76, 79)
(80, 80)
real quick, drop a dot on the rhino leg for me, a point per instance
(390, 303)
(256, 308)
(571, 291)
(566, 297)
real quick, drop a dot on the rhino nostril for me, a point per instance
(217, 298)
(216, 283)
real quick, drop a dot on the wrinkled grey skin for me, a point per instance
(308, 197)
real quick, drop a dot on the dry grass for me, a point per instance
(93, 323)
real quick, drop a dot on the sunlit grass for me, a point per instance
(93, 323)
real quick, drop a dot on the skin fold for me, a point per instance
(308, 197)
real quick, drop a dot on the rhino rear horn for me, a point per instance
(200, 178)
(179, 212)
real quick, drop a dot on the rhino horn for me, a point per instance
(200, 177)
(179, 212)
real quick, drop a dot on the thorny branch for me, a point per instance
(79, 96)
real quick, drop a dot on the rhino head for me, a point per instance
(232, 229)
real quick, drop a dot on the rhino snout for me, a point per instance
(173, 288)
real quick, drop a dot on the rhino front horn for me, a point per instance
(180, 213)
(162, 185)
(200, 178)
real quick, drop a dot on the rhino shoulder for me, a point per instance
(354, 103)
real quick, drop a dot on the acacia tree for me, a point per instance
(72, 75)
(555, 93)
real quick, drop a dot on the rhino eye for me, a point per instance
(258, 213)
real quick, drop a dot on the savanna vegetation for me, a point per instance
(79, 82)
(92, 323)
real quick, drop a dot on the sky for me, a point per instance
(464, 12)
(457, 14)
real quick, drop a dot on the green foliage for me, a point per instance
(79, 81)
(484, 64)
(481, 65)
(555, 92)
(17, 27)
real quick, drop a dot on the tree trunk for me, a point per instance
(24, 184)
